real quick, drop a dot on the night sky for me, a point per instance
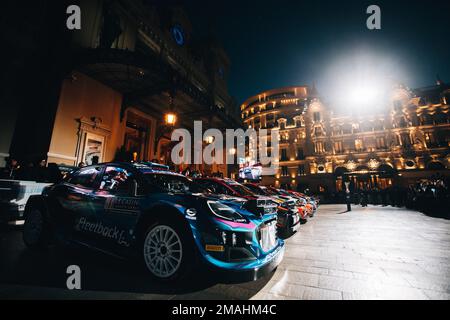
(281, 43)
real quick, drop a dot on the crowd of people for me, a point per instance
(37, 171)
(431, 196)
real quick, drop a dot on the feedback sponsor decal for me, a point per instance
(112, 233)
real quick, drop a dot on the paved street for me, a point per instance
(369, 253)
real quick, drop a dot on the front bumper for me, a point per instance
(253, 270)
(243, 250)
(288, 223)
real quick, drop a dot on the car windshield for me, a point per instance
(284, 193)
(240, 189)
(174, 183)
(256, 190)
(269, 191)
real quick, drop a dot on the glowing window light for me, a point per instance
(351, 165)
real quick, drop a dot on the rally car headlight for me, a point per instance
(225, 212)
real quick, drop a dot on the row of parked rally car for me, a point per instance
(168, 221)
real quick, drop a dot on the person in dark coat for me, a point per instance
(28, 172)
(42, 174)
(12, 169)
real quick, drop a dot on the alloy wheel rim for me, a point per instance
(163, 251)
(33, 227)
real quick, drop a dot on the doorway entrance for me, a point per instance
(137, 134)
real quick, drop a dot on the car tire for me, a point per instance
(286, 234)
(36, 230)
(167, 251)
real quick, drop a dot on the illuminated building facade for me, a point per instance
(133, 73)
(320, 148)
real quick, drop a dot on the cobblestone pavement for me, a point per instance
(368, 253)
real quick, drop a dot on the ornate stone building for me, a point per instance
(407, 139)
(119, 85)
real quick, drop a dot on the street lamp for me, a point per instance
(170, 119)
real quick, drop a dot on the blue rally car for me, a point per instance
(164, 219)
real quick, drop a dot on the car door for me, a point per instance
(117, 205)
(73, 205)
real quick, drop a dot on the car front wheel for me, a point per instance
(167, 251)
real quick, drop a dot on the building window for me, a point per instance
(301, 170)
(358, 144)
(402, 123)
(379, 126)
(440, 118)
(430, 139)
(381, 143)
(347, 129)
(300, 154)
(367, 126)
(410, 164)
(426, 119)
(284, 171)
(405, 139)
(338, 148)
(316, 116)
(318, 131)
(283, 155)
(290, 122)
(337, 130)
(319, 147)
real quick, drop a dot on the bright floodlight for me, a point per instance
(360, 80)
(364, 95)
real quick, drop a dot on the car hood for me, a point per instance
(255, 208)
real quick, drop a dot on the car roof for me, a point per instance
(144, 167)
(209, 178)
(251, 183)
(216, 179)
(223, 181)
